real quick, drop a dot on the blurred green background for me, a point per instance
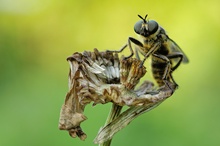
(36, 37)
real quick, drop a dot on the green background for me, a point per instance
(36, 37)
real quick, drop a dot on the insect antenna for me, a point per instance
(144, 19)
(145, 16)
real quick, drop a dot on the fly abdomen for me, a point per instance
(159, 70)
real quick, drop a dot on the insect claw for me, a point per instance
(167, 84)
(176, 86)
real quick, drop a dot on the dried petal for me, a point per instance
(100, 77)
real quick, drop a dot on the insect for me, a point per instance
(166, 54)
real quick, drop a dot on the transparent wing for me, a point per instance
(175, 48)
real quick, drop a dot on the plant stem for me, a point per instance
(114, 113)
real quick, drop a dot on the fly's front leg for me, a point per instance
(137, 54)
(130, 39)
(151, 51)
(119, 51)
(136, 42)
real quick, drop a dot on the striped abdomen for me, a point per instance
(160, 70)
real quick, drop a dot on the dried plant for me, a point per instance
(101, 77)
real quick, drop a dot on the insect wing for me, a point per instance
(175, 48)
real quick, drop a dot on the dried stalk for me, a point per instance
(108, 131)
(114, 113)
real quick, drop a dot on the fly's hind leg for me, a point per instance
(175, 56)
(162, 70)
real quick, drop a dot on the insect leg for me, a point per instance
(137, 54)
(154, 48)
(176, 55)
(136, 42)
(162, 69)
(171, 77)
(130, 39)
(119, 51)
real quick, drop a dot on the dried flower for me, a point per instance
(101, 77)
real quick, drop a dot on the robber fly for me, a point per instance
(164, 51)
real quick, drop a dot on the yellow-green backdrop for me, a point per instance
(36, 37)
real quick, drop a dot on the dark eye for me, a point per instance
(137, 26)
(152, 26)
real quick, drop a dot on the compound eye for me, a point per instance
(152, 26)
(138, 26)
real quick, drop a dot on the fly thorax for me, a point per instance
(148, 42)
(164, 37)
